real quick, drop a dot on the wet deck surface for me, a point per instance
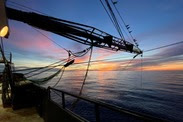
(22, 115)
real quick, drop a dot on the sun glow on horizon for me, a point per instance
(169, 67)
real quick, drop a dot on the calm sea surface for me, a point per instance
(156, 93)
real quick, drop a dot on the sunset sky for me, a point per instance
(154, 23)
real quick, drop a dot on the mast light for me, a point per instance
(4, 29)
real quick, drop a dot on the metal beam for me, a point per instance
(78, 32)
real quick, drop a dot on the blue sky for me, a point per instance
(154, 23)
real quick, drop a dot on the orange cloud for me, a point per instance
(34, 43)
(165, 66)
(101, 53)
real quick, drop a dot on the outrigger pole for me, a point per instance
(78, 32)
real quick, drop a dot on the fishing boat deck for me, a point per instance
(22, 115)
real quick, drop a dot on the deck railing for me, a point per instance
(98, 104)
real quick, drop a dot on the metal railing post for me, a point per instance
(48, 93)
(97, 113)
(98, 104)
(63, 100)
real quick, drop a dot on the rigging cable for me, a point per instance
(46, 79)
(107, 13)
(172, 44)
(45, 70)
(81, 53)
(141, 68)
(86, 70)
(69, 58)
(50, 39)
(112, 18)
(37, 29)
(126, 66)
(39, 68)
(63, 69)
(126, 25)
(69, 61)
(86, 74)
(61, 64)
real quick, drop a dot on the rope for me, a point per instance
(52, 66)
(63, 69)
(86, 71)
(69, 58)
(86, 74)
(126, 66)
(38, 68)
(46, 79)
(141, 69)
(46, 67)
(107, 13)
(34, 68)
(45, 70)
(81, 53)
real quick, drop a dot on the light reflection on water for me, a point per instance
(160, 93)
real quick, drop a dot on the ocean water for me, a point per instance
(156, 93)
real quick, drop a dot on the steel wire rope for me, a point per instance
(121, 17)
(108, 13)
(141, 70)
(50, 39)
(164, 46)
(144, 51)
(114, 19)
(114, 23)
(123, 22)
(129, 62)
(98, 61)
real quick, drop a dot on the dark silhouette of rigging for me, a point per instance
(78, 32)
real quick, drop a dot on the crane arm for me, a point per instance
(78, 32)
